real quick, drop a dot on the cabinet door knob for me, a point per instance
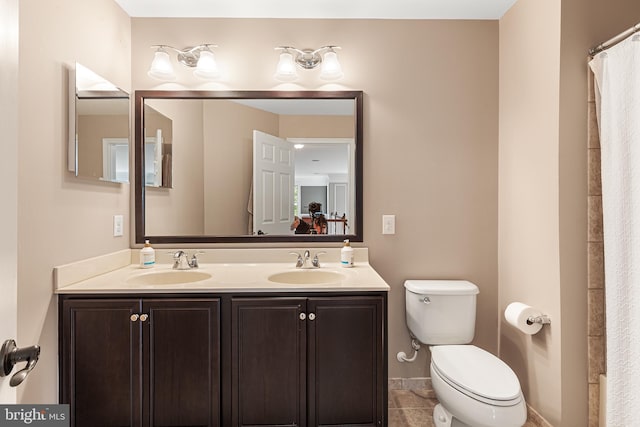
(303, 316)
(312, 316)
(134, 317)
(144, 317)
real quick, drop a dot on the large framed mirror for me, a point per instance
(248, 166)
(98, 147)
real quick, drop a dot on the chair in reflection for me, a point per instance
(337, 225)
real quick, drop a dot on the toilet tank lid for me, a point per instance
(441, 287)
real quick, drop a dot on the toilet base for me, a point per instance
(444, 418)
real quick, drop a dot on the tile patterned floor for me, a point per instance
(411, 408)
(414, 408)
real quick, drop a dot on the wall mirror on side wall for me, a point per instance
(248, 166)
(98, 146)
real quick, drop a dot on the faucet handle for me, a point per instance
(180, 260)
(194, 259)
(299, 261)
(177, 254)
(316, 261)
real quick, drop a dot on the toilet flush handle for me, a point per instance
(426, 300)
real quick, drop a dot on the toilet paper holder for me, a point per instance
(542, 319)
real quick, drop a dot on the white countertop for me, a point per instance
(226, 277)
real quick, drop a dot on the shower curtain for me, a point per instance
(617, 75)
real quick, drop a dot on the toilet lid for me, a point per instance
(476, 371)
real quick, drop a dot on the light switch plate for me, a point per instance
(388, 224)
(118, 225)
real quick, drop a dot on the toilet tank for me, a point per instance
(441, 311)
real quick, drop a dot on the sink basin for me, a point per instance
(306, 277)
(170, 277)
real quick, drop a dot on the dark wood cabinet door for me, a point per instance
(268, 362)
(100, 362)
(181, 347)
(346, 370)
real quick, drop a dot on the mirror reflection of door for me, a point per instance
(115, 159)
(153, 160)
(273, 181)
(158, 149)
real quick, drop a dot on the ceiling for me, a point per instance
(319, 9)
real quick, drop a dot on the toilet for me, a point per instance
(474, 388)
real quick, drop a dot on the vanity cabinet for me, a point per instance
(140, 361)
(314, 361)
(227, 359)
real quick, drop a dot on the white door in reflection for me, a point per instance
(273, 181)
(115, 159)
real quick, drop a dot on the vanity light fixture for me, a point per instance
(308, 59)
(199, 57)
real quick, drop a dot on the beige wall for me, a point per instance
(528, 260)
(9, 179)
(93, 128)
(179, 210)
(317, 127)
(572, 195)
(228, 159)
(60, 218)
(430, 136)
(543, 209)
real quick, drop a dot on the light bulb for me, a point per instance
(161, 68)
(286, 68)
(207, 68)
(331, 69)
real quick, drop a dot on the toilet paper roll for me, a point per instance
(517, 314)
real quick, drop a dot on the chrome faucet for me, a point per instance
(304, 259)
(181, 260)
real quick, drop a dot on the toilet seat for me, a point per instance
(476, 373)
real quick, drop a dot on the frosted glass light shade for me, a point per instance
(207, 68)
(331, 69)
(286, 68)
(161, 68)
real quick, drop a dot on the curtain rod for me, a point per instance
(606, 45)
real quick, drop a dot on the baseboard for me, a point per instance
(417, 383)
(535, 419)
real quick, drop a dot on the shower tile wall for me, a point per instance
(596, 308)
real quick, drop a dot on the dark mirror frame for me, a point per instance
(141, 95)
